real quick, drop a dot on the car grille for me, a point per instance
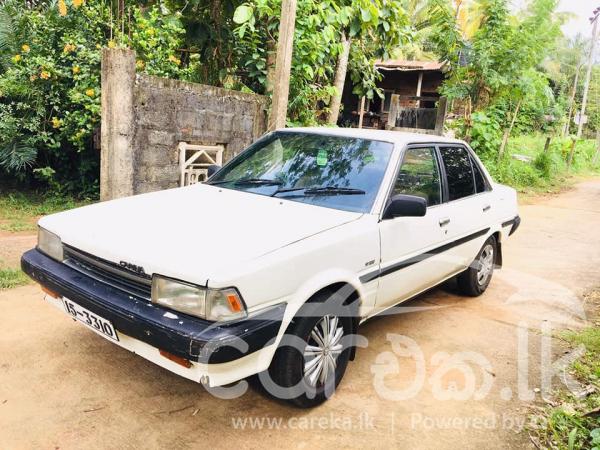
(108, 272)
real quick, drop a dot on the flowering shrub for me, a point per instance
(50, 83)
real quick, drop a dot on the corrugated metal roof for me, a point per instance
(409, 66)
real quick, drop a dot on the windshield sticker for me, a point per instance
(322, 158)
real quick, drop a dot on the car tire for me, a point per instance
(475, 280)
(295, 366)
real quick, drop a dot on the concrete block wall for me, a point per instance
(152, 115)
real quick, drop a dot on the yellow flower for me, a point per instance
(112, 44)
(33, 77)
(56, 122)
(62, 8)
(175, 60)
(76, 69)
(69, 48)
(17, 58)
(140, 64)
(44, 74)
(25, 48)
(90, 92)
(98, 46)
(77, 3)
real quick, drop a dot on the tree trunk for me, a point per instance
(572, 102)
(340, 79)
(283, 65)
(597, 155)
(571, 154)
(271, 58)
(468, 121)
(509, 130)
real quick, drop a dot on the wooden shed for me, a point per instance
(414, 85)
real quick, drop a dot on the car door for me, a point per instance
(465, 220)
(407, 267)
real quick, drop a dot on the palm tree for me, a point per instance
(469, 16)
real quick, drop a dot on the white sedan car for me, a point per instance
(270, 266)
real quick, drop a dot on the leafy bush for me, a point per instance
(374, 27)
(486, 133)
(546, 164)
(50, 83)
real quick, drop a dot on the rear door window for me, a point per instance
(459, 172)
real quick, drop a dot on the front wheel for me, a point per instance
(312, 358)
(475, 280)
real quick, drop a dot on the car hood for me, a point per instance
(189, 233)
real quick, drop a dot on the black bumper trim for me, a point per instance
(421, 257)
(513, 223)
(188, 337)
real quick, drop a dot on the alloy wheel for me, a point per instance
(322, 350)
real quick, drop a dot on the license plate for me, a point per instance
(88, 318)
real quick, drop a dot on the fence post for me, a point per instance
(117, 123)
(547, 144)
(361, 112)
(441, 116)
(393, 113)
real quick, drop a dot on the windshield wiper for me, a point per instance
(250, 181)
(325, 190)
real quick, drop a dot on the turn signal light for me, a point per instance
(49, 292)
(176, 359)
(234, 303)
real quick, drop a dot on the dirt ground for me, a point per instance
(12, 246)
(62, 386)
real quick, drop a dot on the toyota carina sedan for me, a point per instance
(271, 265)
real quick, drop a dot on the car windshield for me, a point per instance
(331, 171)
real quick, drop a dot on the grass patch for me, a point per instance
(19, 211)
(575, 422)
(11, 278)
(546, 171)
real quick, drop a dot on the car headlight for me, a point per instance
(206, 303)
(50, 244)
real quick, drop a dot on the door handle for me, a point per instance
(444, 222)
(487, 208)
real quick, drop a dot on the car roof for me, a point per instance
(400, 138)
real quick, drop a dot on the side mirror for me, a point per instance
(212, 169)
(405, 206)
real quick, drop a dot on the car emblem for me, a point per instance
(132, 267)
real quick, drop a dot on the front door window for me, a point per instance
(419, 175)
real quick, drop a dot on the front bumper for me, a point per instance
(188, 337)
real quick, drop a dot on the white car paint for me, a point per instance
(275, 250)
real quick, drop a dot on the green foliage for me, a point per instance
(497, 70)
(543, 171)
(50, 68)
(19, 211)
(12, 278)
(593, 107)
(486, 132)
(156, 37)
(570, 425)
(208, 38)
(374, 27)
(50, 83)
